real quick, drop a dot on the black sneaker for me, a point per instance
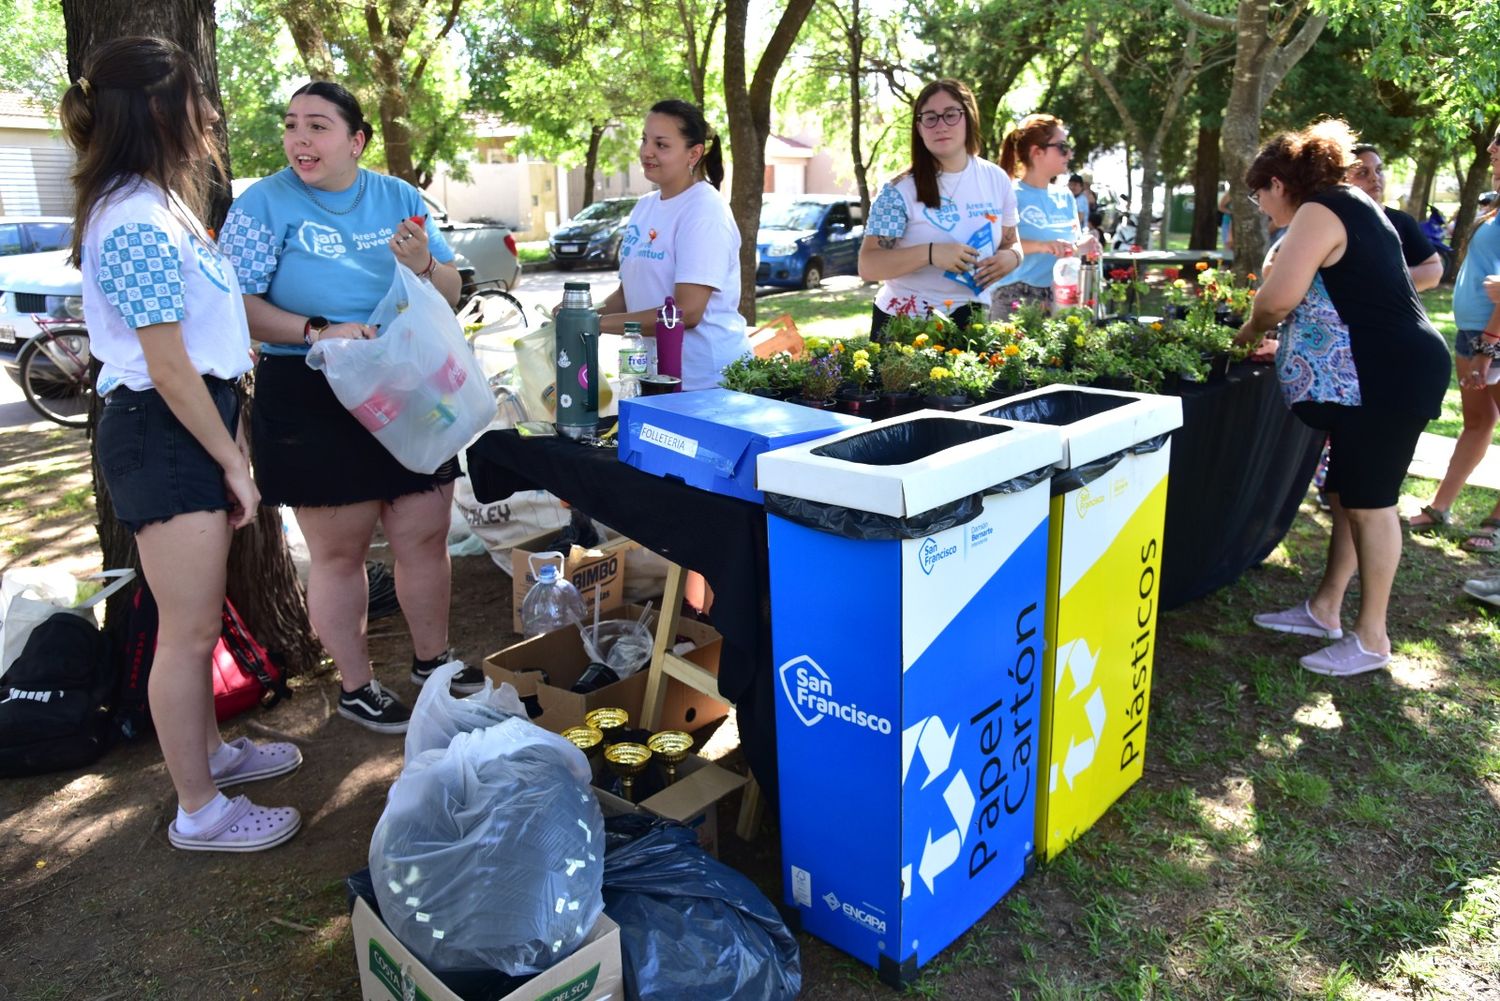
(465, 682)
(374, 708)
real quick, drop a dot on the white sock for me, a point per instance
(220, 756)
(203, 818)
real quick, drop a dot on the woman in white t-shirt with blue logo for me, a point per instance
(945, 230)
(681, 241)
(165, 319)
(1036, 151)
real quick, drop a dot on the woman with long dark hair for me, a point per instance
(681, 241)
(316, 248)
(165, 320)
(944, 231)
(1360, 360)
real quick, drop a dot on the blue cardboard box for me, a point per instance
(711, 438)
(909, 688)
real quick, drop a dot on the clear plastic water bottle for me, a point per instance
(1065, 281)
(553, 602)
(633, 361)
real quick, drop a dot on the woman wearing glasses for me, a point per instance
(943, 231)
(1359, 360)
(1036, 151)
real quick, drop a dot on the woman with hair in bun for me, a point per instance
(945, 230)
(681, 241)
(166, 322)
(1034, 152)
(316, 248)
(1360, 360)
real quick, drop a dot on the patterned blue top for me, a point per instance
(1046, 214)
(321, 252)
(1313, 356)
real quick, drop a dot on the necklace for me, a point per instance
(358, 196)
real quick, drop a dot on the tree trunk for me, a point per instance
(1241, 140)
(1476, 179)
(1205, 233)
(262, 581)
(855, 31)
(1144, 217)
(591, 165)
(1421, 183)
(750, 125)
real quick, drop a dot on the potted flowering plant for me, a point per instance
(940, 388)
(857, 396)
(901, 370)
(820, 380)
(747, 374)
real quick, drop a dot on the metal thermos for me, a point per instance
(577, 363)
(1091, 285)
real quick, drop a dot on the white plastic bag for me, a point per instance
(490, 852)
(438, 717)
(416, 387)
(30, 596)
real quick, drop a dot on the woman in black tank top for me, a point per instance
(1388, 381)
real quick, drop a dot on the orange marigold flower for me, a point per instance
(947, 303)
(1201, 266)
(1250, 277)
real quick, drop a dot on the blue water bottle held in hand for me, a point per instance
(553, 602)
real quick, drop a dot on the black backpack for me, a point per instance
(55, 699)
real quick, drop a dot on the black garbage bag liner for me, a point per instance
(1059, 409)
(690, 926)
(907, 441)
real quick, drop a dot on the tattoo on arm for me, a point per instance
(887, 242)
(1010, 236)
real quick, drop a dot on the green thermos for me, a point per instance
(577, 363)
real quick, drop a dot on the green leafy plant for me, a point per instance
(901, 370)
(821, 379)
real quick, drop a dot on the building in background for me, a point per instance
(34, 160)
(522, 193)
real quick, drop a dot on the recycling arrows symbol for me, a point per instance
(1077, 659)
(933, 741)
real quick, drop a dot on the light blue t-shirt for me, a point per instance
(321, 253)
(1046, 214)
(1471, 307)
(1081, 205)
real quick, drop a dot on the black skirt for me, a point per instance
(309, 451)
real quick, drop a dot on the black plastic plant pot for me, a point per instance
(1059, 409)
(908, 441)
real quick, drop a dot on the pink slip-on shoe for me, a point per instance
(1297, 620)
(244, 827)
(1345, 659)
(253, 762)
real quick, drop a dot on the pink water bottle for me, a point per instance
(669, 340)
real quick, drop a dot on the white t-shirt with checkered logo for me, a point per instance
(976, 204)
(147, 261)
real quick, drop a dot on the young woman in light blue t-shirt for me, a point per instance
(316, 248)
(1036, 151)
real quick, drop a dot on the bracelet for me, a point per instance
(929, 255)
(426, 273)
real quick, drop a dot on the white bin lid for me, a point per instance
(1142, 418)
(913, 487)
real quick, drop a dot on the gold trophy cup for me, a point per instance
(671, 746)
(611, 722)
(627, 760)
(588, 739)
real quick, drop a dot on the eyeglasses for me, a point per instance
(1066, 149)
(951, 116)
(1254, 197)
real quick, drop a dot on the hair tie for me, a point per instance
(83, 85)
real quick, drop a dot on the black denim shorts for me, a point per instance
(154, 468)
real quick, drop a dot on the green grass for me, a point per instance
(532, 252)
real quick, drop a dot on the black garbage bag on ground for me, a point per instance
(690, 926)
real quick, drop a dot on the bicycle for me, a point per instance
(487, 306)
(54, 372)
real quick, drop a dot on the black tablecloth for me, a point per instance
(1240, 467)
(722, 538)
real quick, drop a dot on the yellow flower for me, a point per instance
(920, 340)
(1156, 325)
(861, 356)
(1075, 320)
(1011, 350)
(939, 372)
(1180, 283)
(907, 349)
(861, 365)
(873, 349)
(1078, 340)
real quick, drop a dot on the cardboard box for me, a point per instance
(561, 655)
(692, 800)
(838, 470)
(599, 569)
(389, 972)
(710, 439)
(907, 708)
(1103, 567)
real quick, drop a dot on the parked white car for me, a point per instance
(32, 284)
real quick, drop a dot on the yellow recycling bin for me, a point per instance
(1109, 501)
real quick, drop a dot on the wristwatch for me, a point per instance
(314, 325)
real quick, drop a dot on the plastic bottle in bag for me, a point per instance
(553, 602)
(1065, 281)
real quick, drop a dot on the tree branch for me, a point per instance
(1085, 54)
(1286, 56)
(1202, 18)
(427, 48)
